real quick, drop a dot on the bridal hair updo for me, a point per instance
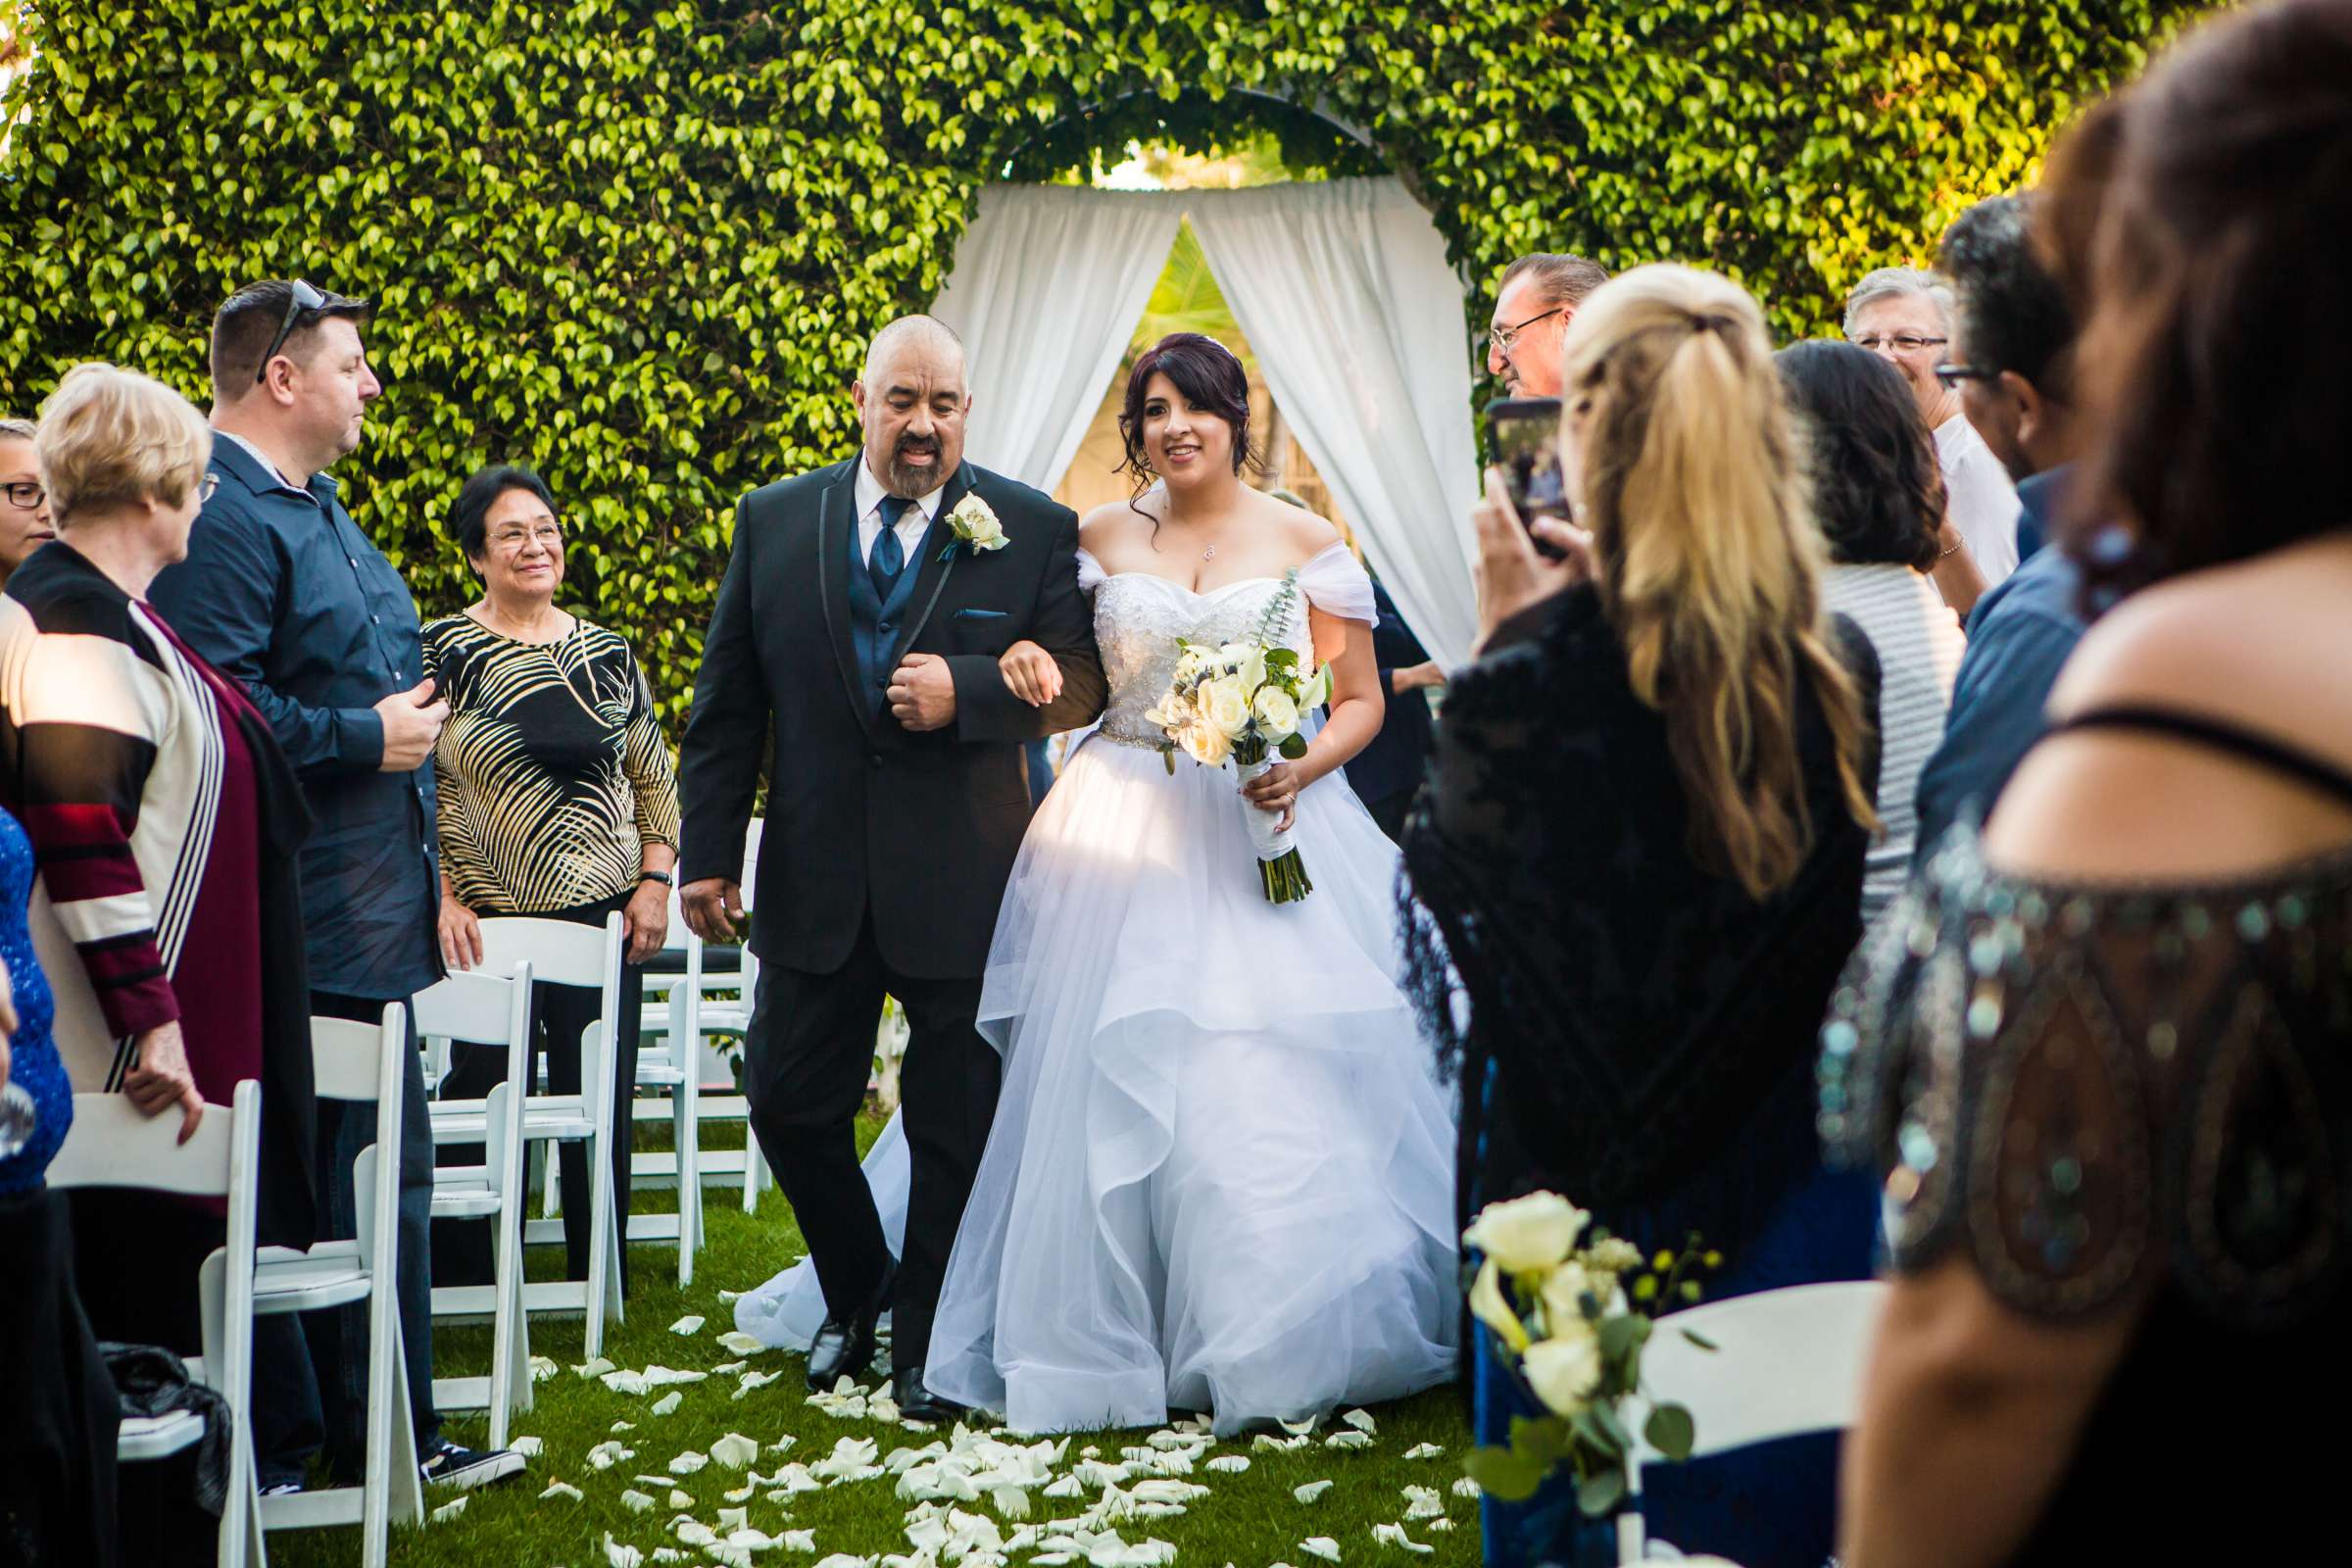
(1693, 482)
(1209, 375)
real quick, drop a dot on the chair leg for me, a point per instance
(681, 1116)
(404, 1495)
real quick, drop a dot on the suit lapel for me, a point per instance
(836, 537)
(941, 552)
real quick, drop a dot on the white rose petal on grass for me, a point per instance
(596, 1366)
(740, 1494)
(1266, 1444)
(687, 1326)
(623, 1426)
(732, 1519)
(450, 1510)
(668, 1403)
(1301, 1429)
(1231, 1465)
(1464, 1487)
(742, 1343)
(1425, 1451)
(637, 1501)
(664, 1482)
(1526, 1234)
(679, 1500)
(1348, 1439)
(735, 1451)
(729, 1298)
(1395, 1536)
(543, 1368)
(753, 1380)
(1312, 1492)
(1440, 1524)
(1423, 1503)
(687, 1463)
(560, 1489)
(842, 1559)
(618, 1556)
(1361, 1420)
(783, 1445)
(604, 1455)
(727, 1370)
(1322, 1547)
(528, 1447)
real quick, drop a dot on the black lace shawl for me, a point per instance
(1613, 1011)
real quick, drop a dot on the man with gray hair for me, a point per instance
(1533, 307)
(852, 657)
(1905, 314)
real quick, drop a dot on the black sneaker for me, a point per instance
(462, 1469)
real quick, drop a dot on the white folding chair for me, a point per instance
(486, 1010)
(358, 1063)
(563, 953)
(1786, 1362)
(668, 1052)
(111, 1145)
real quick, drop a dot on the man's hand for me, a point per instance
(412, 722)
(713, 908)
(645, 920)
(922, 694)
(1031, 673)
(162, 1078)
(1415, 677)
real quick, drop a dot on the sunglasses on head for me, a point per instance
(303, 300)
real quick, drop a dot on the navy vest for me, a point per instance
(874, 624)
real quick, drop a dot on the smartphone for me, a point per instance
(1524, 434)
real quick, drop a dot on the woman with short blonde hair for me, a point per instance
(1639, 857)
(23, 502)
(165, 824)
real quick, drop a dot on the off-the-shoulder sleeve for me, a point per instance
(2084, 1091)
(1091, 574)
(1335, 583)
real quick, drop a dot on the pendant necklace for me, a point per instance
(1210, 554)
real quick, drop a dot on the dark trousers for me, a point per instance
(1389, 812)
(810, 1051)
(338, 1337)
(58, 1502)
(463, 1247)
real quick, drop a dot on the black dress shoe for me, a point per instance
(844, 1345)
(918, 1404)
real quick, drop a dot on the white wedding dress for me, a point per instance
(1220, 1176)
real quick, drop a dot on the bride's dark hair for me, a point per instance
(1209, 375)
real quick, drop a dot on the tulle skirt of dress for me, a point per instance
(1220, 1176)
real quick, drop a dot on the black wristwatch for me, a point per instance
(662, 877)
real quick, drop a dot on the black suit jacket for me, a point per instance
(918, 830)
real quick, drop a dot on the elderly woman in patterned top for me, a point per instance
(556, 800)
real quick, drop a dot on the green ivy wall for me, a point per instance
(639, 246)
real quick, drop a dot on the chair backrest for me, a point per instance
(349, 1060)
(112, 1143)
(476, 1007)
(561, 952)
(1786, 1362)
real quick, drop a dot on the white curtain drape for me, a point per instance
(1048, 285)
(1346, 296)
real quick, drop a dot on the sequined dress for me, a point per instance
(1220, 1174)
(2095, 1093)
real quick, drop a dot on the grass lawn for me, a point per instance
(1249, 1520)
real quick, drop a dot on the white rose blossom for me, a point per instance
(1528, 1235)
(1564, 1370)
(1224, 706)
(1277, 714)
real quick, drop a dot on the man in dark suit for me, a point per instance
(862, 618)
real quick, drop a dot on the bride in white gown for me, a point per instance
(1220, 1176)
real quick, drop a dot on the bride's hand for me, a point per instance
(1275, 790)
(1030, 672)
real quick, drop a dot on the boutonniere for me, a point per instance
(974, 524)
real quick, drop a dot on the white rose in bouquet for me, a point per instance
(1204, 743)
(1563, 1295)
(1277, 714)
(1564, 1369)
(1224, 706)
(1489, 1306)
(1527, 1234)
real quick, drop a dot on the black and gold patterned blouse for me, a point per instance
(2105, 1096)
(554, 774)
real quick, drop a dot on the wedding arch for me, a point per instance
(1342, 289)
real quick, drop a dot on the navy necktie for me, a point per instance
(889, 556)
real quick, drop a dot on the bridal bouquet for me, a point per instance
(1572, 1320)
(1246, 701)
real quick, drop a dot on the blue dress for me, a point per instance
(33, 1066)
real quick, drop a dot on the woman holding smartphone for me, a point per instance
(1639, 855)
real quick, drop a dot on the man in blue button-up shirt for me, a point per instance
(282, 590)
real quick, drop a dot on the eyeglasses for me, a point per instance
(1503, 337)
(305, 298)
(25, 494)
(1902, 343)
(549, 534)
(1951, 375)
(207, 487)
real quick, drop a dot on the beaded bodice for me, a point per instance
(1139, 618)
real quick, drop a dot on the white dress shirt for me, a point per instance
(1980, 498)
(913, 523)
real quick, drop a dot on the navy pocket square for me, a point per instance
(979, 614)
